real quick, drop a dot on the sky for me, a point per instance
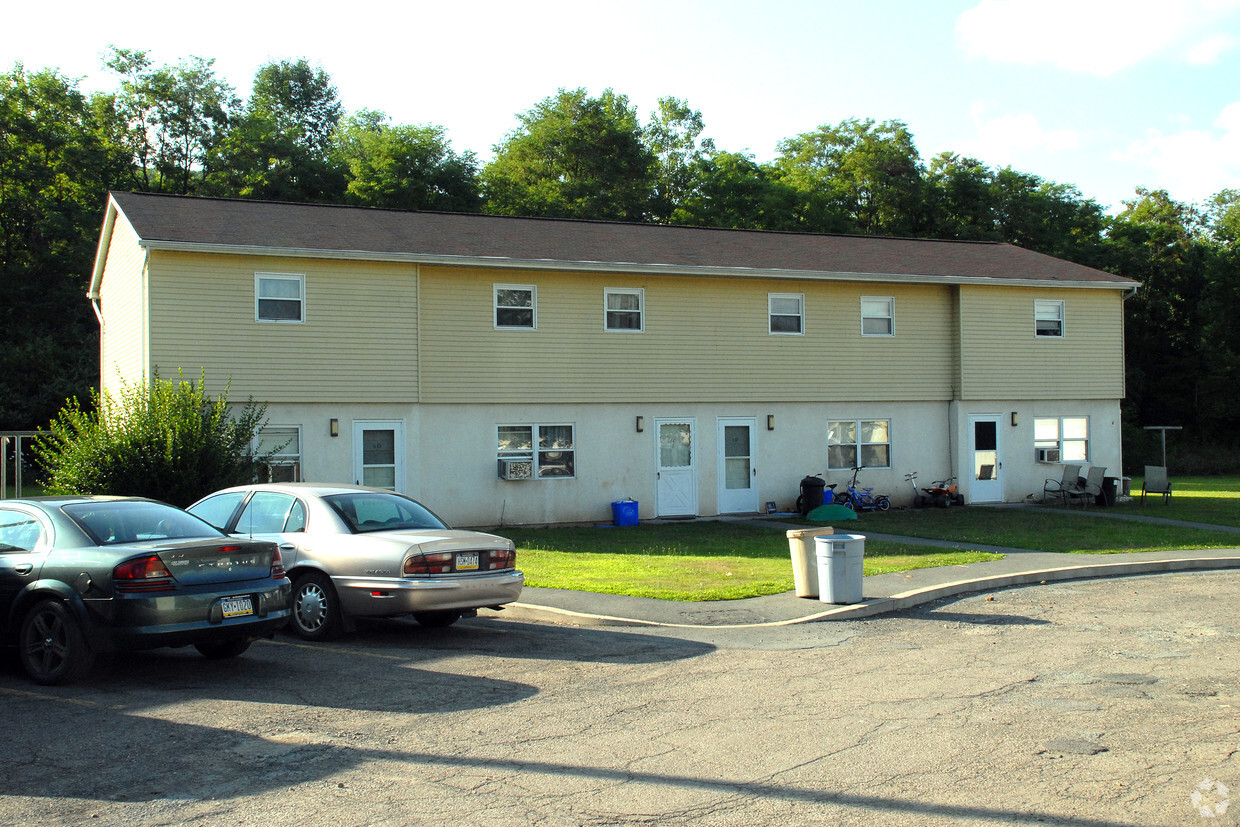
(1105, 95)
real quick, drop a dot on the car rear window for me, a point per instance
(120, 522)
(368, 511)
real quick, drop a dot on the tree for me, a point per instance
(168, 120)
(573, 156)
(858, 176)
(166, 440)
(280, 147)
(405, 167)
(731, 190)
(55, 171)
(672, 138)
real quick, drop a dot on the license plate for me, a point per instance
(467, 561)
(237, 606)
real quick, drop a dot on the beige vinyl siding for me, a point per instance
(123, 304)
(358, 341)
(704, 339)
(1001, 358)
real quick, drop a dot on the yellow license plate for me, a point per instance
(466, 562)
(237, 606)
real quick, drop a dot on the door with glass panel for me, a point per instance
(676, 490)
(986, 471)
(738, 472)
(379, 454)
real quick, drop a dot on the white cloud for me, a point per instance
(1194, 164)
(1001, 140)
(1099, 37)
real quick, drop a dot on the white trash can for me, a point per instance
(804, 565)
(841, 559)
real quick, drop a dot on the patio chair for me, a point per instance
(1061, 487)
(1156, 482)
(1091, 489)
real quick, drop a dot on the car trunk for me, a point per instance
(195, 562)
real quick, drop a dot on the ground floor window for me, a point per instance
(1069, 435)
(549, 451)
(283, 443)
(853, 442)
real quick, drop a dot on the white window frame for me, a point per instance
(532, 289)
(300, 279)
(771, 315)
(858, 445)
(288, 456)
(640, 293)
(1048, 432)
(546, 457)
(1049, 310)
(888, 316)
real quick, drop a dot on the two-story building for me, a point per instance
(521, 370)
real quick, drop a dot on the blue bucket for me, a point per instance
(625, 512)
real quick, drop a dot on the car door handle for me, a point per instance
(24, 568)
(287, 547)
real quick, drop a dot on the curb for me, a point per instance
(902, 600)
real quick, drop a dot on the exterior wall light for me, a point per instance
(641, 424)
(770, 422)
(1015, 419)
(334, 427)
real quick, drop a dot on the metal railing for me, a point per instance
(11, 459)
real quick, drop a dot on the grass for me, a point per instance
(701, 560)
(708, 560)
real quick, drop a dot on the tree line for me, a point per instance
(181, 129)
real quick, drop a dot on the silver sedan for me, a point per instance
(353, 551)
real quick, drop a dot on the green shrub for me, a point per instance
(166, 440)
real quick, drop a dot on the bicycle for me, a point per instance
(863, 499)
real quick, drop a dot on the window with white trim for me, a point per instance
(1068, 434)
(516, 306)
(549, 447)
(283, 444)
(624, 309)
(786, 312)
(878, 316)
(279, 297)
(853, 442)
(1048, 318)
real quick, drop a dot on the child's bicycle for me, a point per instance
(941, 493)
(862, 499)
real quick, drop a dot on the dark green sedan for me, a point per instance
(82, 575)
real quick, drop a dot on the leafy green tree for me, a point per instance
(166, 440)
(672, 138)
(733, 191)
(168, 120)
(55, 171)
(573, 156)
(859, 176)
(405, 167)
(279, 148)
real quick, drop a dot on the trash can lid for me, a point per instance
(804, 533)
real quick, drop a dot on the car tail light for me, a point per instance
(277, 566)
(143, 574)
(422, 564)
(504, 559)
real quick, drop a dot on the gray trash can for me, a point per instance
(804, 566)
(841, 559)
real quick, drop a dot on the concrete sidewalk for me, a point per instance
(882, 593)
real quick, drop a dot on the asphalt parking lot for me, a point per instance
(1107, 702)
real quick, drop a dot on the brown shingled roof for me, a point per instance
(304, 229)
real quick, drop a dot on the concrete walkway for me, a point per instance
(882, 593)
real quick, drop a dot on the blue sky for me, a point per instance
(1107, 95)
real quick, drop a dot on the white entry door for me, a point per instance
(676, 490)
(379, 454)
(986, 485)
(738, 483)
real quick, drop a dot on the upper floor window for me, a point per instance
(864, 442)
(787, 312)
(1048, 318)
(624, 308)
(516, 306)
(279, 297)
(1069, 434)
(878, 316)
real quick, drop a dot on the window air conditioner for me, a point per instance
(516, 469)
(1048, 455)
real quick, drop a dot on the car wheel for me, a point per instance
(52, 647)
(223, 649)
(316, 609)
(437, 620)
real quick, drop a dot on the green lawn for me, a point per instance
(711, 560)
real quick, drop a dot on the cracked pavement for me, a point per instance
(1092, 703)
